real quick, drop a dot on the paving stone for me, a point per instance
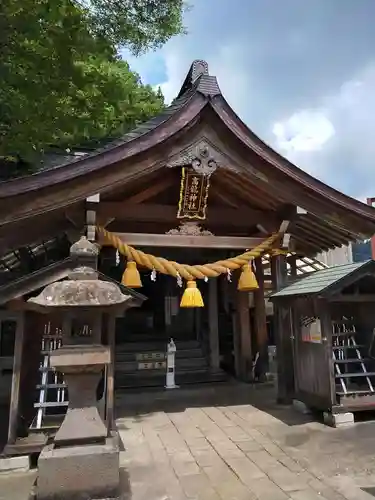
(198, 443)
(172, 483)
(228, 451)
(262, 459)
(172, 441)
(185, 468)
(245, 469)
(306, 495)
(218, 473)
(16, 485)
(152, 489)
(348, 488)
(273, 449)
(157, 450)
(249, 445)
(291, 464)
(324, 490)
(227, 484)
(236, 434)
(288, 481)
(207, 457)
(218, 417)
(198, 486)
(265, 489)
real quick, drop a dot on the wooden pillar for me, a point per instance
(293, 266)
(16, 379)
(282, 330)
(213, 319)
(260, 320)
(244, 336)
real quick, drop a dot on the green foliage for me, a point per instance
(137, 24)
(61, 80)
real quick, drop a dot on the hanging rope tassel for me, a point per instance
(192, 296)
(131, 276)
(247, 281)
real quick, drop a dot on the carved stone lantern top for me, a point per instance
(84, 247)
(80, 293)
(82, 288)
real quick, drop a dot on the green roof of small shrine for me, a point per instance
(319, 281)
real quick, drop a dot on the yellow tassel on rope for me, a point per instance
(131, 276)
(247, 281)
(192, 296)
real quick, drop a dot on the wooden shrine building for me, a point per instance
(205, 200)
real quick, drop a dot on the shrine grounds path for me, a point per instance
(232, 442)
(236, 443)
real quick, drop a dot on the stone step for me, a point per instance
(157, 379)
(185, 363)
(180, 353)
(156, 346)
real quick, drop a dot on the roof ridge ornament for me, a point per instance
(199, 67)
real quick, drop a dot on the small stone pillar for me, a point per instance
(170, 382)
(83, 460)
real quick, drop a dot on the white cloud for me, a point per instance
(335, 141)
(176, 69)
(294, 79)
(306, 130)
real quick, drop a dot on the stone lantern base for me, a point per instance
(81, 472)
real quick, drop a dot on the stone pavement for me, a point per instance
(235, 443)
(16, 485)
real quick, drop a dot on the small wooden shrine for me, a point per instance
(329, 321)
(187, 208)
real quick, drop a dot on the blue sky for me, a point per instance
(300, 73)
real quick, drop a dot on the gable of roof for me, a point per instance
(320, 282)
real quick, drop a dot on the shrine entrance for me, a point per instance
(204, 337)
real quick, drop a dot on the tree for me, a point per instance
(61, 79)
(137, 24)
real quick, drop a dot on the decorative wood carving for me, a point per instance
(202, 156)
(190, 229)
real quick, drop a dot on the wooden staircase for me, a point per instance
(354, 368)
(141, 363)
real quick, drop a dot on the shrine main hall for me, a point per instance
(198, 221)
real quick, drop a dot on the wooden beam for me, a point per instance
(172, 240)
(152, 190)
(216, 216)
(225, 198)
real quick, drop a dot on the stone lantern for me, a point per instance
(84, 457)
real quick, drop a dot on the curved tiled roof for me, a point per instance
(333, 218)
